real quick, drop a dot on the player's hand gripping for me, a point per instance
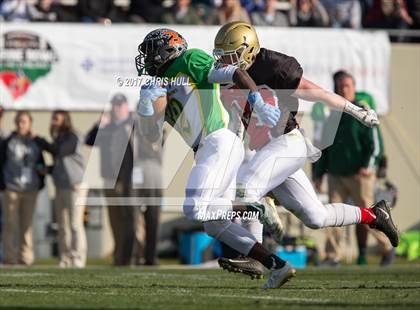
(149, 93)
(365, 115)
(267, 113)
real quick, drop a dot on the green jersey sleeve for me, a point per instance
(198, 64)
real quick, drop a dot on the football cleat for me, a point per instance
(245, 265)
(270, 219)
(279, 277)
(384, 223)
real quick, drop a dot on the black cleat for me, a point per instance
(245, 265)
(384, 222)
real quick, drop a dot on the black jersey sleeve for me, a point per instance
(286, 71)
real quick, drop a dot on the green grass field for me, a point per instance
(152, 288)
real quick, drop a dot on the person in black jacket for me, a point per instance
(95, 11)
(23, 170)
(67, 174)
(112, 134)
(145, 11)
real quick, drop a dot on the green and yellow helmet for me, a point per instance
(236, 44)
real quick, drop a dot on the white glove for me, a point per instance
(268, 114)
(365, 115)
(148, 95)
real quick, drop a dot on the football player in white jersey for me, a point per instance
(282, 150)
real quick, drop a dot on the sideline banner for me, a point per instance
(80, 66)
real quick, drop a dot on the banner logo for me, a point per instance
(24, 58)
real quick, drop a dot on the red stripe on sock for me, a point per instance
(368, 217)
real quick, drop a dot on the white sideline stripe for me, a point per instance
(17, 290)
(180, 293)
(297, 299)
(24, 274)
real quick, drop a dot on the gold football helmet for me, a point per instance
(236, 44)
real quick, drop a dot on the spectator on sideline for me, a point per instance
(147, 184)
(308, 13)
(16, 10)
(351, 163)
(2, 137)
(230, 10)
(23, 170)
(413, 7)
(145, 11)
(388, 14)
(46, 11)
(95, 11)
(182, 13)
(67, 174)
(344, 13)
(2, 132)
(112, 134)
(252, 6)
(270, 16)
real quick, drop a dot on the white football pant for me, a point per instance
(278, 167)
(211, 189)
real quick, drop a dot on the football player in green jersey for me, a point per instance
(196, 112)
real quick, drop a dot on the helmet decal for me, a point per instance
(158, 47)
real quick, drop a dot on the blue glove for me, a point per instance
(148, 94)
(267, 113)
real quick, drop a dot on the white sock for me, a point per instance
(231, 234)
(341, 214)
(254, 227)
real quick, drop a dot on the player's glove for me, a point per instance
(268, 114)
(365, 115)
(149, 93)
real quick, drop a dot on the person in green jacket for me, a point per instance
(351, 163)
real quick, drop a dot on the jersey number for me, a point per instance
(176, 116)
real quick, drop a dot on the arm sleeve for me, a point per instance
(69, 146)
(41, 162)
(3, 145)
(381, 147)
(356, 15)
(379, 142)
(221, 75)
(91, 135)
(46, 146)
(293, 15)
(321, 15)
